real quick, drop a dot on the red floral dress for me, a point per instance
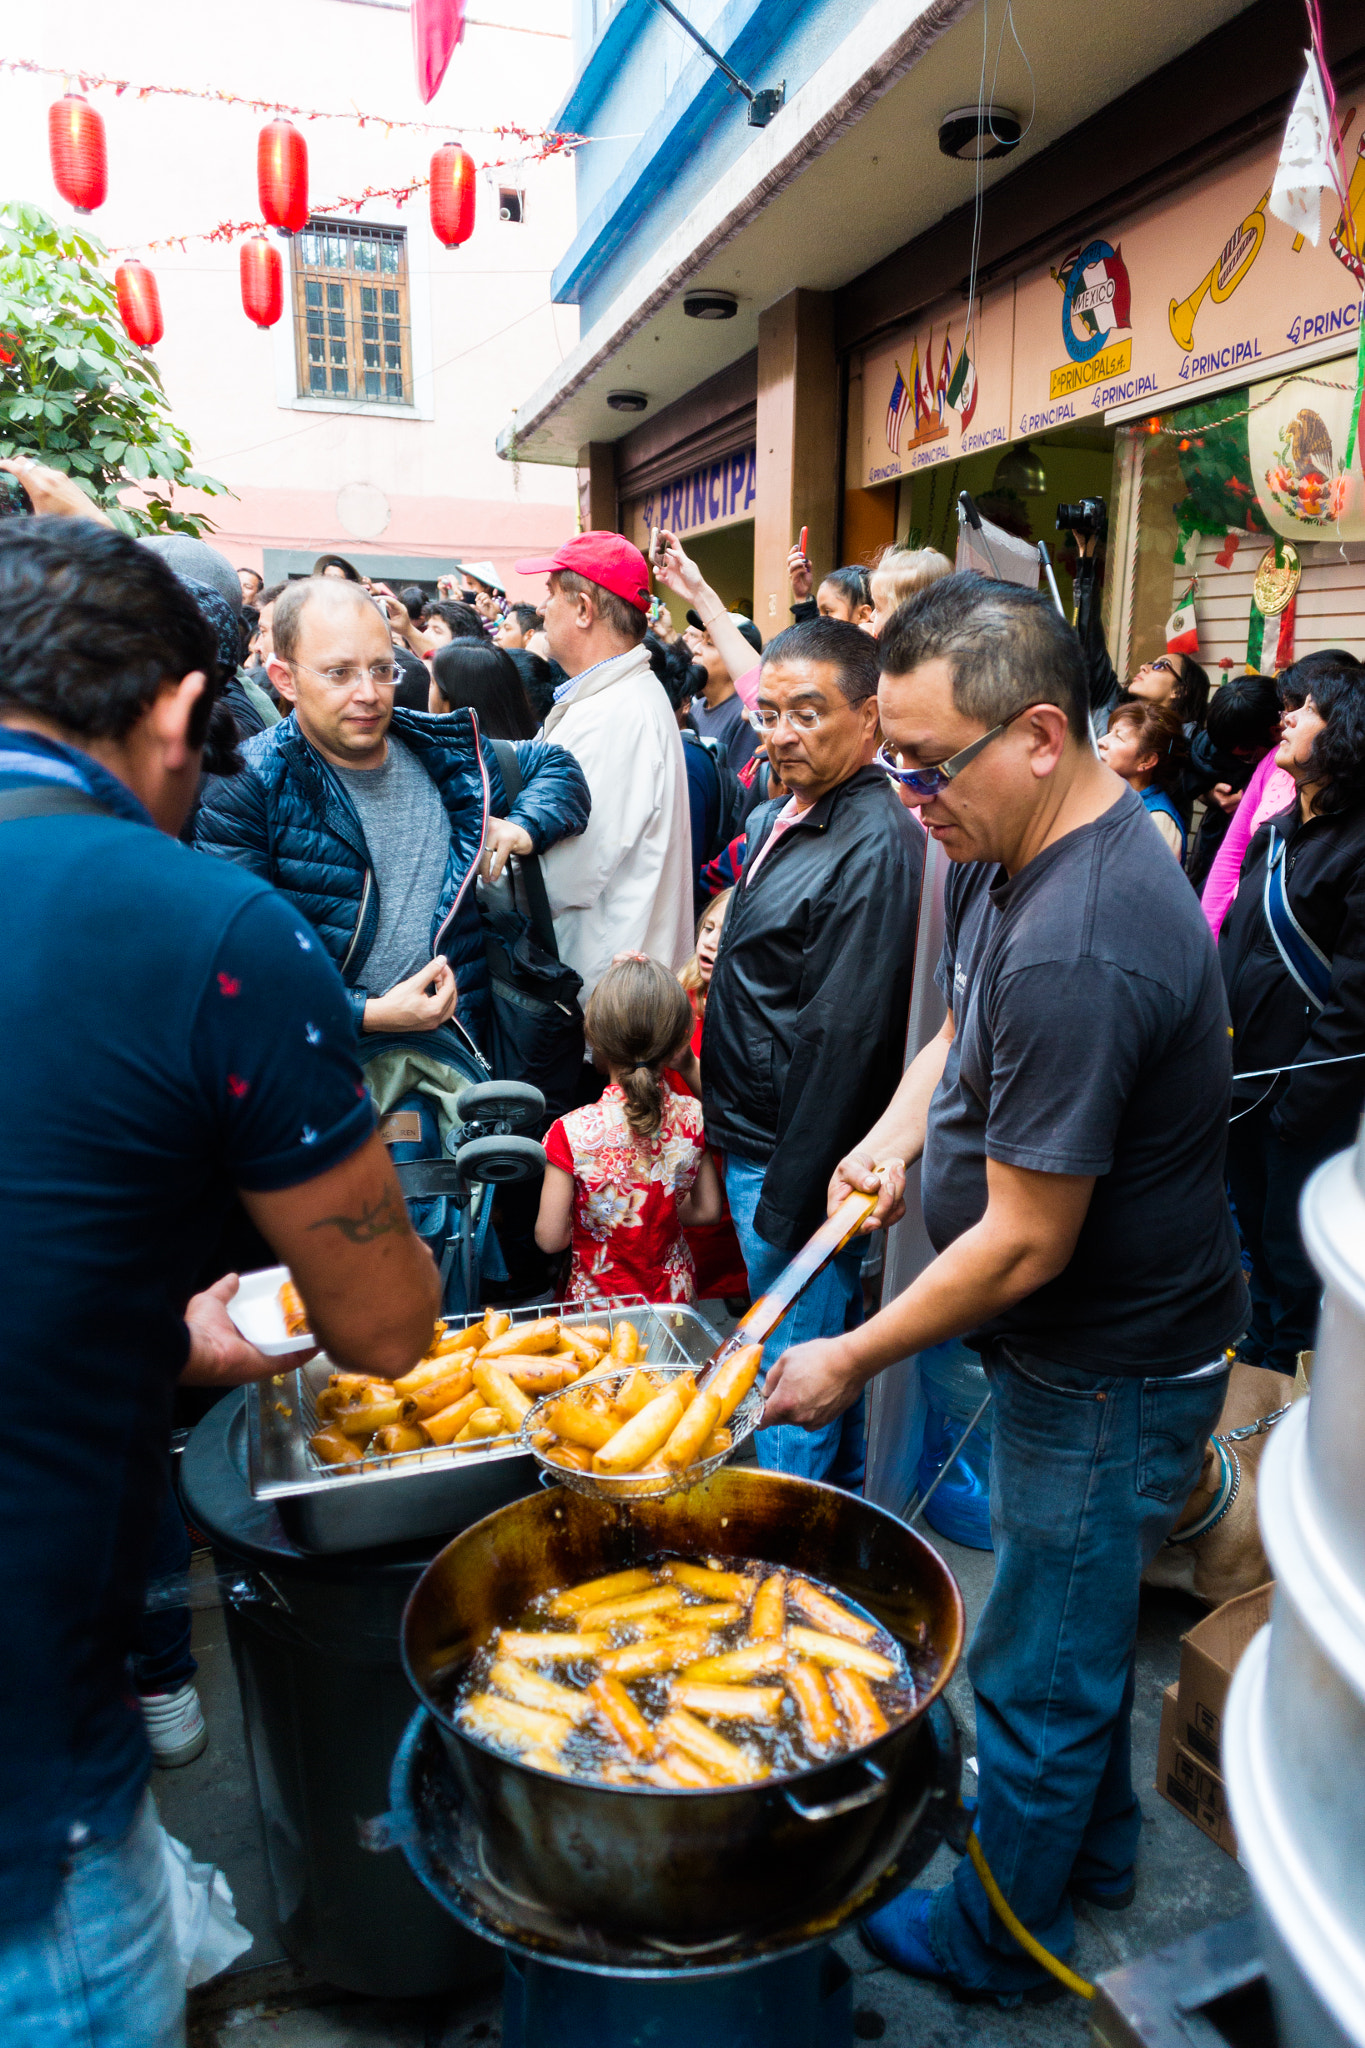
(626, 1235)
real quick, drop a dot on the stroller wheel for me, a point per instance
(507, 1104)
(501, 1159)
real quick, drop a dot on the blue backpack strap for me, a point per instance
(1307, 963)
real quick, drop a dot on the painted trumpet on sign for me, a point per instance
(1235, 259)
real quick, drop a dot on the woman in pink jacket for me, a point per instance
(1269, 791)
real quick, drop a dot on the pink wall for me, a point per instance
(470, 529)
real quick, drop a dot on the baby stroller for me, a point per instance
(453, 1135)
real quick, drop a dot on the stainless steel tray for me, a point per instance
(433, 1492)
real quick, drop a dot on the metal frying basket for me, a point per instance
(639, 1485)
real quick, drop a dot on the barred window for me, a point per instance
(353, 338)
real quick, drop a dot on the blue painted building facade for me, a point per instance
(671, 124)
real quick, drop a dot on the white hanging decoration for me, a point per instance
(1306, 168)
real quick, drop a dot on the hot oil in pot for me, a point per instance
(686, 1674)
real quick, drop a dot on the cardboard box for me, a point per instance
(1188, 1782)
(1209, 1654)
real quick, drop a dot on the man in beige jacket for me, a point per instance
(624, 885)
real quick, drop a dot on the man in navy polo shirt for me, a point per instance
(174, 1034)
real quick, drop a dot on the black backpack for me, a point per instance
(535, 1025)
(732, 796)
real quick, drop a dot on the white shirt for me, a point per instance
(624, 884)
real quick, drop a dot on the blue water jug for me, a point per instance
(953, 1382)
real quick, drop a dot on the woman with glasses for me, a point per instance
(1176, 680)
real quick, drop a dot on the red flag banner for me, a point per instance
(437, 28)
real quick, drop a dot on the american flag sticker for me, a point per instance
(896, 411)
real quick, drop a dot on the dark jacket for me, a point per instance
(414, 681)
(289, 820)
(1103, 681)
(805, 1022)
(1273, 1022)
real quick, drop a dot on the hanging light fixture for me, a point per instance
(262, 274)
(75, 142)
(282, 176)
(1019, 470)
(452, 195)
(139, 303)
(975, 133)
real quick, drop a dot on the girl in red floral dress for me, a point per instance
(626, 1173)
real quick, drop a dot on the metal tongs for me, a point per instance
(760, 1321)
(766, 1313)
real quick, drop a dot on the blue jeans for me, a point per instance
(161, 1658)
(102, 1971)
(831, 1304)
(1089, 1473)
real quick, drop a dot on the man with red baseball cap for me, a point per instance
(625, 884)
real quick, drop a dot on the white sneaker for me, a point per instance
(175, 1727)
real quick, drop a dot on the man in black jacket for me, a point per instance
(805, 1023)
(1296, 990)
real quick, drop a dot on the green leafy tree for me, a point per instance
(75, 392)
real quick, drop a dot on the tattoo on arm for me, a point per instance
(376, 1219)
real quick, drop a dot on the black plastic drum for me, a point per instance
(315, 1645)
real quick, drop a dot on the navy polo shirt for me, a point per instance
(172, 1031)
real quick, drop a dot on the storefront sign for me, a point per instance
(714, 494)
(1187, 295)
(1209, 286)
(940, 391)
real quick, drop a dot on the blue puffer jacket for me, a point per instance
(289, 819)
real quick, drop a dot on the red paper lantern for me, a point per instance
(139, 303)
(262, 281)
(75, 142)
(452, 195)
(282, 176)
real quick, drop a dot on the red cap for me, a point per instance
(605, 558)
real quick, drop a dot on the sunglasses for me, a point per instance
(929, 781)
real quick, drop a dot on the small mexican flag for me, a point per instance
(961, 392)
(1182, 628)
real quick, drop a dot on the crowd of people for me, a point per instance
(259, 839)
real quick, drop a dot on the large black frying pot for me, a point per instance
(686, 1865)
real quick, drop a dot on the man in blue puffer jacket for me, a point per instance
(376, 822)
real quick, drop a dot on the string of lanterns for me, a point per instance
(79, 157)
(90, 80)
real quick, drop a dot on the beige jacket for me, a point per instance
(624, 884)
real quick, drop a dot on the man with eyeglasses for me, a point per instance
(805, 1020)
(376, 821)
(1071, 1118)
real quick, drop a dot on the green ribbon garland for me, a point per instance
(1359, 397)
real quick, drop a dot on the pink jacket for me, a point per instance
(1270, 789)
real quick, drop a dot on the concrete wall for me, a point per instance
(424, 484)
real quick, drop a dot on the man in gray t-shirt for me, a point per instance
(408, 835)
(1072, 1120)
